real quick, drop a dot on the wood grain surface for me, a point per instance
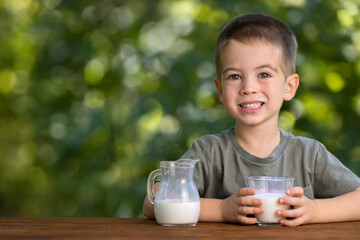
(140, 228)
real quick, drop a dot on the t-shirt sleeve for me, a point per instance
(331, 177)
(201, 168)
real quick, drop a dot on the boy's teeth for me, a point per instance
(251, 105)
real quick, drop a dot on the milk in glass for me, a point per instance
(270, 205)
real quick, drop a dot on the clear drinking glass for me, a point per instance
(269, 190)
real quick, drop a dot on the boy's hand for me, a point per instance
(236, 207)
(303, 208)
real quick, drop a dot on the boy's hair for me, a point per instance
(251, 27)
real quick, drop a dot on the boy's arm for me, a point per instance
(337, 209)
(148, 207)
(210, 210)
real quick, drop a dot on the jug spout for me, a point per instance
(190, 161)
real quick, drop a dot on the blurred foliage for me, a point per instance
(94, 94)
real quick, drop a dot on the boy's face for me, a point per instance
(253, 85)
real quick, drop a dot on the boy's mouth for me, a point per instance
(251, 105)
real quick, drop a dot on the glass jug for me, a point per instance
(177, 201)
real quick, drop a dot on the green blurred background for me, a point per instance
(94, 94)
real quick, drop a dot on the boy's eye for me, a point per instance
(234, 77)
(264, 75)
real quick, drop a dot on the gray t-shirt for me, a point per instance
(224, 166)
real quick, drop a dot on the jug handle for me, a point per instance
(150, 184)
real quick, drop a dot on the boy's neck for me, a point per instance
(260, 142)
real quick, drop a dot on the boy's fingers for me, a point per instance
(293, 201)
(295, 191)
(291, 213)
(246, 220)
(292, 222)
(246, 192)
(249, 201)
(250, 210)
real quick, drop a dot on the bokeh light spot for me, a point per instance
(122, 17)
(94, 71)
(149, 122)
(7, 81)
(181, 8)
(355, 154)
(169, 125)
(334, 82)
(218, 18)
(94, 99)
(356, 105)
(345, 18)
(205, 99)
(294, 3)
(205, 70)
(58, 130)
(287, 121)
(310, 31)
(16, 6)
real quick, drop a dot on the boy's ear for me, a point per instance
(218, 88)
(292, 83)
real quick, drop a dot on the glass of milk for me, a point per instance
(269, 190)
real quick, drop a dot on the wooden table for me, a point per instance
(140, 228)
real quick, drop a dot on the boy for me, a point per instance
(255, 64)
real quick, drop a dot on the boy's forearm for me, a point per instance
(338, 209)
(210, 210)
(148, 208)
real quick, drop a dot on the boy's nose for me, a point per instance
(248, 86)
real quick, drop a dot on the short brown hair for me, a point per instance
(260, 27)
